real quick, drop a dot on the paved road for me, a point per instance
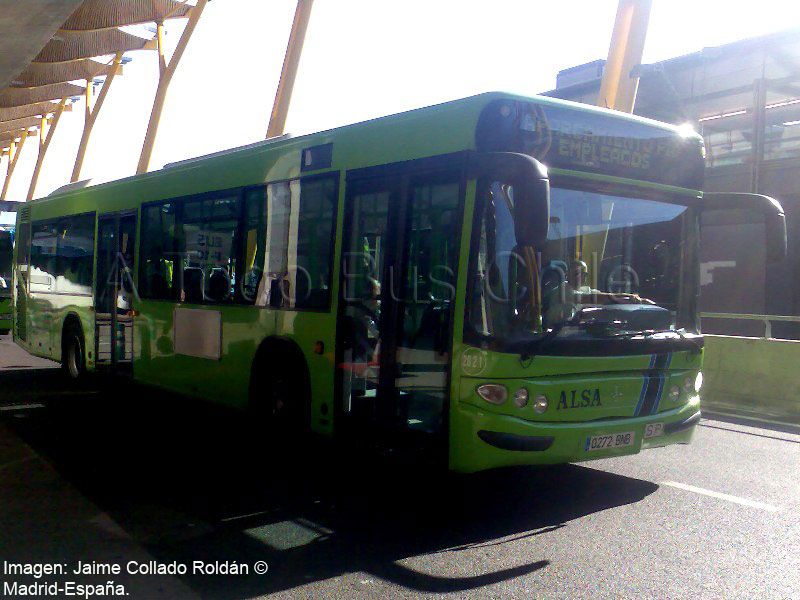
(717, 519)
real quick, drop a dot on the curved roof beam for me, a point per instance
(25, 27)
(29, 110)
(38, 74)
(76, 45)
(107, 14)
(11, 136)
(10, 97)
(18, 124)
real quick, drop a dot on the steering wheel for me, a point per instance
(569, 310)
(622, 279)
(551, 279)
(563, 312)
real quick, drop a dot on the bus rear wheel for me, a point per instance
(73, 359)
(280, 400)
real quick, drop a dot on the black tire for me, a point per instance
(73, 354)
(280, 397)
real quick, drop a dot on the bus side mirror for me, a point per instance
(765, 210)
(530, 187)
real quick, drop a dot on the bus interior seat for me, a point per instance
(302, 287)
(553, 274)
(218, 285)
(278, 290)
(193, 284)
(159, 286)
(434, 316)
(316, 298)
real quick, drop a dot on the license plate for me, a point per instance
(612, 440)
(653, 430)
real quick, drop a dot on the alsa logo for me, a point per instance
(579, 399)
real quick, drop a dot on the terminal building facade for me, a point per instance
(744, 98)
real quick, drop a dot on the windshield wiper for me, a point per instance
(537, 345)
(648, 333)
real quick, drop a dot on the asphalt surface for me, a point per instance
(719, 518)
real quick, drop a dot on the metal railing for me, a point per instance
(766, 319)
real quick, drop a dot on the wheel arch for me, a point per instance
(285, 352)
(278, 355)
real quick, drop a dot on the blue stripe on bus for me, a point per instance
(645, 383)
(662, 379)
(658, 396)
(653, 384)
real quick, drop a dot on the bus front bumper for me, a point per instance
(483, 440)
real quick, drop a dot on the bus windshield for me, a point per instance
(612, 265)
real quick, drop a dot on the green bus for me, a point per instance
(6, 251)
(493, 281)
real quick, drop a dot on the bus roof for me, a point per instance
(438, 129)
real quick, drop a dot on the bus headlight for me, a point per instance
(698, 382)
(493, 393)
(540, 404)
(674, 393)
(521, 397)
(688, 385)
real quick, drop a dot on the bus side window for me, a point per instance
(273, 288)
(75, 254)
(314, 244)
(253, 243)
(23, 242)
(43, 257)
(6, 252)
(157, 256)
(207, 247)
(292, 227)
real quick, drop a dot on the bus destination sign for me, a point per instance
(570, 138)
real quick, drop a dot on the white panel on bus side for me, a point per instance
(198, 333)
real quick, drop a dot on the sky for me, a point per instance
(362, 59)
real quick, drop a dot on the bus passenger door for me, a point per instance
(425, 291)
(115, 292)
(362, 323)
(399, 262)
